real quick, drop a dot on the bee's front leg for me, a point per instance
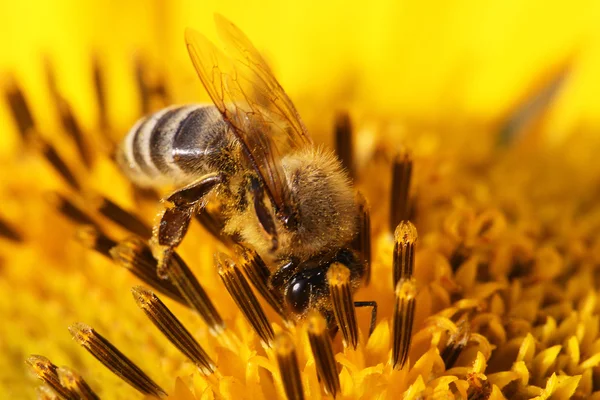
(177, 215)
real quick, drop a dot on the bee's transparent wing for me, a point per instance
(249, 99)
(267, 89)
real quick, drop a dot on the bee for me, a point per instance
(249, 152)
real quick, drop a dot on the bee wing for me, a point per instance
(253, 103)
(267, 89)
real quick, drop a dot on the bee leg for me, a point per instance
(175, 219)
(372, 304)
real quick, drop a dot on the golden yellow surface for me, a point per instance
(439, 77)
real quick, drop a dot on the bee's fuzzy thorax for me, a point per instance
(325, 204)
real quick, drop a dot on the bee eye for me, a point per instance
(298, 294)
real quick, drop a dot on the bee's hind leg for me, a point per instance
(175, 219)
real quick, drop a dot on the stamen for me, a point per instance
(143, 87)
(173, 329)
(288, 367)
(52, 156)
(67, 117)
(74, 130)
(532, 108)
(257, 271)
(94, 239)
(135, 255)
(121, 217)
(401, 176)
(191, 290)
(114, 360)
(45, 393)
(214, 225)
(340, 288)
(66, 207)
(456, 344)
(46, 371)
(242, 294)
(480, 390)
(405, 238)
(99, 89)
(142, 194)
(362, 242)
(10, 233)
(404, 313)
(20, 110)
(344, 145)
(76, 384)
(148, 90)
(320, 343)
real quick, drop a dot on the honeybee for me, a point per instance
(249, 151)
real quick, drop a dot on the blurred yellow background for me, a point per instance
(428, 62)
(436, 65)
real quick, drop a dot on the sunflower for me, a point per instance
(469, 130)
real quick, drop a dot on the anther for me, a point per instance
(76, 384)
(213, 224)
(135, 255)
(148, 90)
(456, 343)
(20, 110)
(114, 360)
(100, 90)
(67, 117)
(401, 176)
(173, 329)
(258, 273)
(289, 370)
(72, 127)
(45, 393)
(344, 145)
(191, 290)
(9, 233)
(405, 238)
(143, 87)
(47, 372)
(362, 242)
(55, 160)
(67, 207)
(242, 294)
(320, 343)
(404, 313)
(92, 238)
(340, 289)
(122, 217)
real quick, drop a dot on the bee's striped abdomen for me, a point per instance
(173, 146)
